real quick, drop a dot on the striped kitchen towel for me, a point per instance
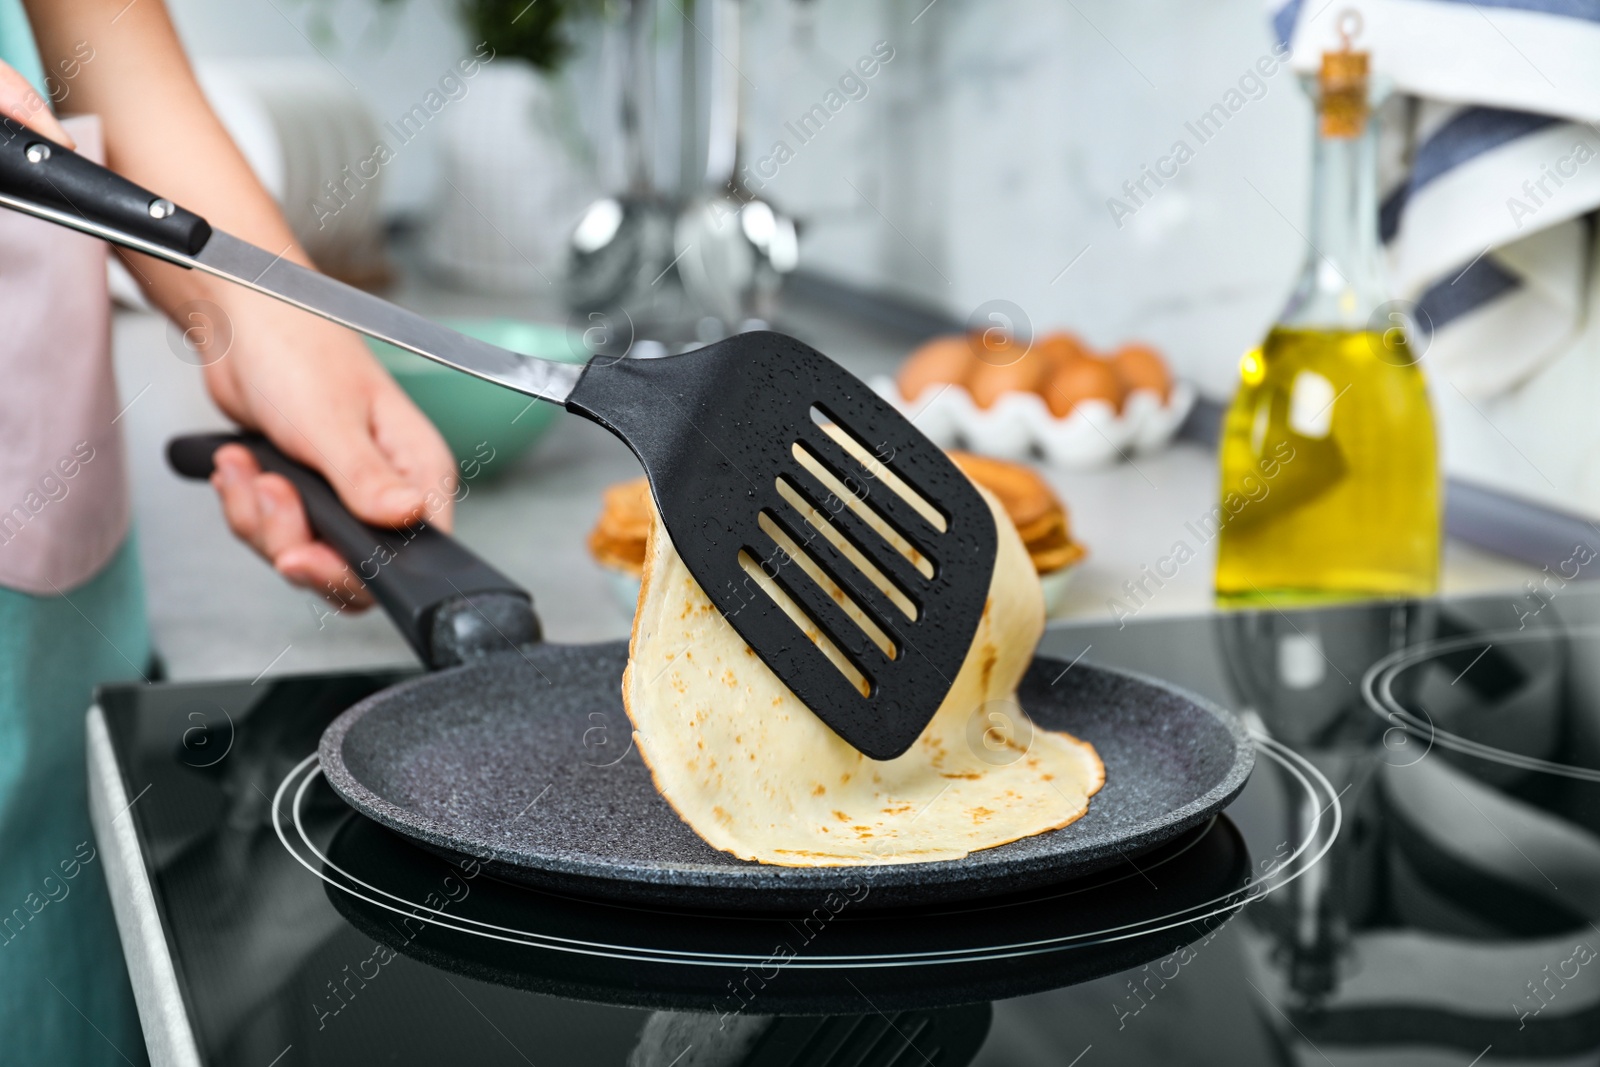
(1489, 164)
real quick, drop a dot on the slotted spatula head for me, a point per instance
(779, 474)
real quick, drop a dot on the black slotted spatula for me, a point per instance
(843, 546)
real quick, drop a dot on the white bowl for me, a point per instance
(624, 588)
(1055, 589)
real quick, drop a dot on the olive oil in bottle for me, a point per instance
(1330, 480)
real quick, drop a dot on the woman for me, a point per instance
(71, 603)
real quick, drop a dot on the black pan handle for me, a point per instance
(37, 172)
(450, 605)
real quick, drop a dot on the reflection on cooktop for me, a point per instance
(819, 961)
(1452, 916)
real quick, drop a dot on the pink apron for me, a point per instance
(64, 505)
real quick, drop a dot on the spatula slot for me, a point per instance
(818, 521)
(876, 462)
(904, 519)
(798, 615)
(856, 500)
(825, 581)
(868, 541)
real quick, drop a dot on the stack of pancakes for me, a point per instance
(618, 538)
(1034, 509)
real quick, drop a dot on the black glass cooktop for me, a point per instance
(1412, 876)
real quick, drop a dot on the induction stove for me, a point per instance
(1411, 876)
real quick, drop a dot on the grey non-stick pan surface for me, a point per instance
(526, 763)
(520, 753)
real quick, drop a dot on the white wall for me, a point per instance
(391, 57)
(992, 141)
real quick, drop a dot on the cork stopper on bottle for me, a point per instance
(1342, 103)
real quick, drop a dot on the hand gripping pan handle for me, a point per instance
(450, 605)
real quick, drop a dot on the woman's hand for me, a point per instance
(316, 391)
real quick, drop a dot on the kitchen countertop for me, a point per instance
(218, 611)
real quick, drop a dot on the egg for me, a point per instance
(1080, 380)
(1061, 348)
(942, 361)
(1011, 369)
(1141, 367)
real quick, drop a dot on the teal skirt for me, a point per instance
(64, 993)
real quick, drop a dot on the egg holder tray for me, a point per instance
(1019, 425)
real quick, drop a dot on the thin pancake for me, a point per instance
(756, 774)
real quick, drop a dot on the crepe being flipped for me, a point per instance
(756, 774)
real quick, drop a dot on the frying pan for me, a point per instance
(519, 754)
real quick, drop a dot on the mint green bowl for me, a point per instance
(470, 412)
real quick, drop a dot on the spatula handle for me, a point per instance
(450, 605)
(38, 175)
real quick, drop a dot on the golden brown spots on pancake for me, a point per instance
(841, 816)
(729, 680)
(968, 776)
(819, 790)
(981, 814)
(991, 656)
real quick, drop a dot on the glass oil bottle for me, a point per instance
(1330, 480)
